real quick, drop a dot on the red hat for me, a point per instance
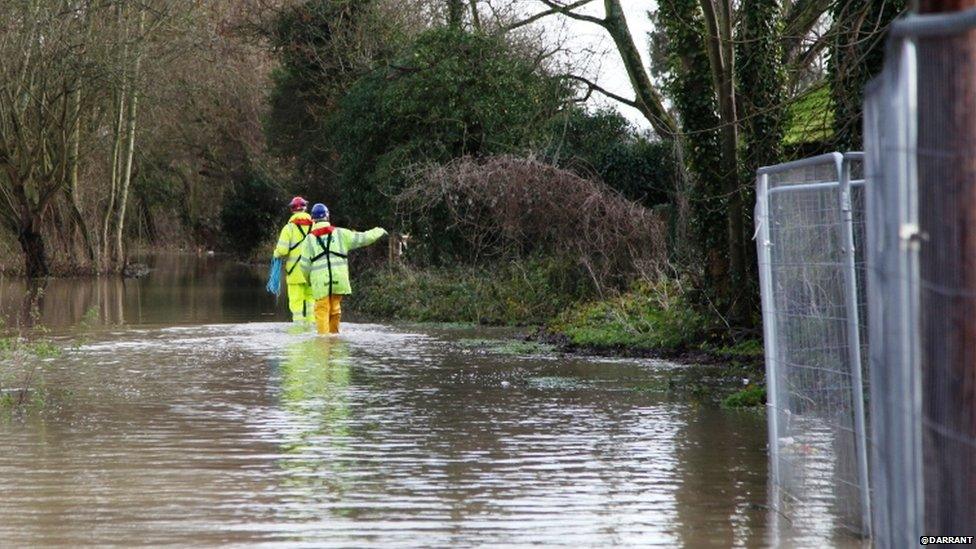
(298, 203)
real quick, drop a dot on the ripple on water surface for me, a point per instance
(250, 433)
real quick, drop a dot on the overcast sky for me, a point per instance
(604, 66)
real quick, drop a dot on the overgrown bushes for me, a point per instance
(494, 210)
(252, 212)
(603, 145)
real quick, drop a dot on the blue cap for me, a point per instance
(319, 211)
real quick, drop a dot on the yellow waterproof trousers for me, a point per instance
(328, 311)
(300, 302)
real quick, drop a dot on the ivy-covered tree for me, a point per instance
(761, 80)
(856, 55)
(688, 83)
(731, 69)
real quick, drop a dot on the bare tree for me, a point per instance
(42, 69)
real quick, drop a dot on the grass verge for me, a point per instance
(513, 293)
(655, 316)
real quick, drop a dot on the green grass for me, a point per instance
(21, 363)
(745, 349)
(652, 316)
(658, 316)
(513, 294)
(508, 346)
(754, 395)
(19, 357)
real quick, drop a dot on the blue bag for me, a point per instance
(274, 278)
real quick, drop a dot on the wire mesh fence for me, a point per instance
(920, 138)
(806, 232)
(868, 276)
(892, 257)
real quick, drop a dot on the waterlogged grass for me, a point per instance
(656, 318)
(745, 349)
(508, 347)
(652, 316)
(751, 396)
(732, 385)
(12, 348)
(555, 382)
(20, 361)
(448, 325)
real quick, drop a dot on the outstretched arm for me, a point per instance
(353, 239)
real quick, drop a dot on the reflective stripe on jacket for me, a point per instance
(324, 259)
(289, 246)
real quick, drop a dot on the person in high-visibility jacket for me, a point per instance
(293, 234)
(324, 262)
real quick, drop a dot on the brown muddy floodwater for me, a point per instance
(191, 414)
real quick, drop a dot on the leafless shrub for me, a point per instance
(507, 207)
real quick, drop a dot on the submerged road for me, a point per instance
(177, 421)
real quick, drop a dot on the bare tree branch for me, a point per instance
(800, 20)
(594, 87)
(565, 10)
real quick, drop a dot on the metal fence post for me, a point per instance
(909, 269)
(769, 322)
(891, 113)
(854, 345)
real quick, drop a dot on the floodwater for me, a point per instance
(187, 412)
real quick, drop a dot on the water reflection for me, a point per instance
(730, 492)
(26, 304)
(180, 289)
(315, 376)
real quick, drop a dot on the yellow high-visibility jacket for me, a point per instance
(324, 257)
(289, 246)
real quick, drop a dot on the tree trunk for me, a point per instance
(719, 43)
(130, 123)
(455, 13)
(74, 203)
(74, 200)
(32, 243)
(475, 16)
(123, 196)
(117, 138)
(947, 267)
(113, 180)
(649, 101)
(680, 192)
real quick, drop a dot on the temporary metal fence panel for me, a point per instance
(898, 225)
(807, 236)
(892, 271)
(919, 119)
